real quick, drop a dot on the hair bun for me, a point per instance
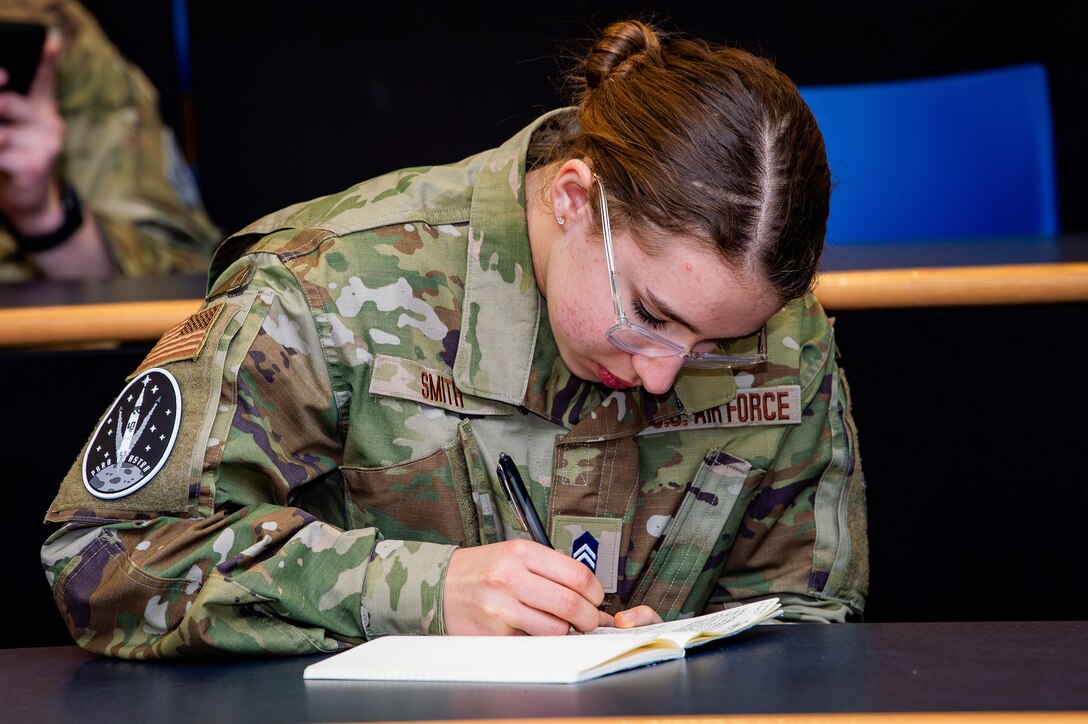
(614, 51)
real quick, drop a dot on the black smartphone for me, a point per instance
(20, 50)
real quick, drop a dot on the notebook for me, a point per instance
(535, 659)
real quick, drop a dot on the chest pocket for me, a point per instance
(415, 409)
(706, 523)
(428, 499)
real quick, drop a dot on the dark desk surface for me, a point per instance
(808, 669)
(1070, 248)
(108, 291)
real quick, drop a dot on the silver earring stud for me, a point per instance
(560, 220)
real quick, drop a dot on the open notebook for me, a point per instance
(535, 659)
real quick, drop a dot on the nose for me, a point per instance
(656, 373)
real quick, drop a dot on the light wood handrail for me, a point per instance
(82, 324)
(954, 286)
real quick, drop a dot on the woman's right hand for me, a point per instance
(519, 587)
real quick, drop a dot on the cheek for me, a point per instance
(575, 320)
(569, 316)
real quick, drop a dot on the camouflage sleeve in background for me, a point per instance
(231, 564)
(118, 154)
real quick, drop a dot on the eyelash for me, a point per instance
(646, 318)
(654, 323)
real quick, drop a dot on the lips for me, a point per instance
(610, 380)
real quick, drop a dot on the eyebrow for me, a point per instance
(672, 314)
(669, 312)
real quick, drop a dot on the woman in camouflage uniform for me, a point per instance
(617, 297)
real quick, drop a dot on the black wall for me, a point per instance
(295, 100)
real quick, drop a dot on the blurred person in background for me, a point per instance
(92, 183)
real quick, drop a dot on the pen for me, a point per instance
(518, 495)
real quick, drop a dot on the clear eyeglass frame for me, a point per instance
(636, 339)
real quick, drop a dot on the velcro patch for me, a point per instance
(573, 534)
(779, 405)
(182, 342)
(411, 380)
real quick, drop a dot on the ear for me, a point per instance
(570, 190)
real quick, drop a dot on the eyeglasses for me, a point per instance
(636, 339)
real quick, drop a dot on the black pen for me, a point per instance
(518, 496)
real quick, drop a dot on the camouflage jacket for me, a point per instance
(118, 155)
(359, 365)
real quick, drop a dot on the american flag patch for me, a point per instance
(182, 342)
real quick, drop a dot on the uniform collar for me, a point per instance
(701, 389)
(501, 312)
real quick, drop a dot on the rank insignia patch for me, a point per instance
(595, 542)
(585, 550)
(135, 437)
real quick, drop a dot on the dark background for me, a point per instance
(295, 100)
(970, 418)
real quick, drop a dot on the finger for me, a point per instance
(606, 620)
(490, 590)
(45, 78)
(15, 108)
(527, 619)
(554, 584)
(570, 592)
(568, 606)
(637, 616)
(565, 571)
(3, 78)
(16, 164)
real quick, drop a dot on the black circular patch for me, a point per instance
(135, 437)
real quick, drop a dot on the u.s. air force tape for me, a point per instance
(135, 437)
(779, 405)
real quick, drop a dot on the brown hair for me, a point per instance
(704, 141)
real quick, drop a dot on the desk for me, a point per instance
(803, 670)
(985, 272)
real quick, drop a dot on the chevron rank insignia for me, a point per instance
(585, 550)
(593, 541)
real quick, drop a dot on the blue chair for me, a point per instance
(949, 157)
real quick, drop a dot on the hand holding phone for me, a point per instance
(20, 51)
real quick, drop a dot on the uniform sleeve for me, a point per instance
(123, 160)
(804, 534)
(241, 542)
